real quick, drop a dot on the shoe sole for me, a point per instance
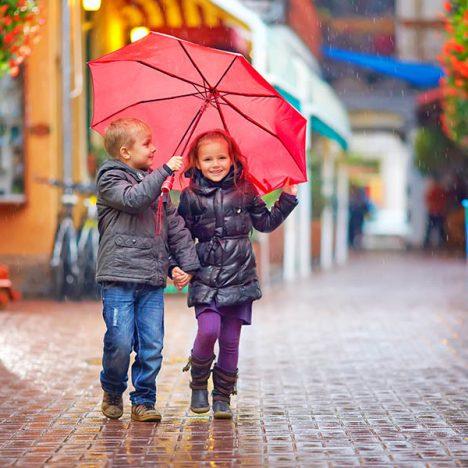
(148, 419)
(205, 409)
(112, 416)
(222, 416)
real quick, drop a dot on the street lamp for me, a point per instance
(91, 5)
(138, 33)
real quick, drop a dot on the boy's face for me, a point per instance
(139, 155)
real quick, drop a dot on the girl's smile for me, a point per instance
(214, 160)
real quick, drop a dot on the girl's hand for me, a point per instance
(181, 284)
(175, 163)
(180, 278)
(290, 189)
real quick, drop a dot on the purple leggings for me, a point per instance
(212, 327)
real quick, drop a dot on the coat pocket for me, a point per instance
(134, 254)
(134, 242)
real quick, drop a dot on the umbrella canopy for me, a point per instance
(182, 89)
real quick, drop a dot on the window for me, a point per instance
(11, 139)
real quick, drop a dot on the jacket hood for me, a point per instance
(112, 164)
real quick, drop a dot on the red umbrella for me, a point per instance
(182, 89)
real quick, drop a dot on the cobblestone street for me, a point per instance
(363, 365)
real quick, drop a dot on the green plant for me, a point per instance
(19, 25)
(454, 59)
(433, 151)
(318, 200)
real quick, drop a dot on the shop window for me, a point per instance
(11, 139)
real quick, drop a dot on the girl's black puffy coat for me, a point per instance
(221, 216)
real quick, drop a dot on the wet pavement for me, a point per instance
(366, 365)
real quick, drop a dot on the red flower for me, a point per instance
(8, 38)
(448, 7)
(14, 71)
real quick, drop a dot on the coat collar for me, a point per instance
(203, 186)
(111, 164)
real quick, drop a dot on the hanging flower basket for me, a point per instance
(19, 26)
(454, 59)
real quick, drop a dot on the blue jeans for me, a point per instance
(134, 316)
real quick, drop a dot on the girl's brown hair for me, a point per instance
(237, 158)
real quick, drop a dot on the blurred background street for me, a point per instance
(358, 353)
(366, 366)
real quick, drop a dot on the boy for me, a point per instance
(133, 263)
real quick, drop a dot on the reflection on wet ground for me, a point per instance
(363, 365)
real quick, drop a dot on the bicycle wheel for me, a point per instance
(64, 262)
(71, 267)
(87, 257)
(57, 263)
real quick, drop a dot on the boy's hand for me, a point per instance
(180, 278)
(290, 189)
(175, 163)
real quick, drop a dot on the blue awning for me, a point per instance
(422, 75)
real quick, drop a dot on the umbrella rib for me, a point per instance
(235, 108)
(146, 101)
(200, 113)
(164, 72)
(195, 65)
(225, 72)
(233, 93)
(193, 124)
(218, 107)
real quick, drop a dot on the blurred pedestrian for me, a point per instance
(133, 263)
(220, 207)
(359, 206)
(436, 205)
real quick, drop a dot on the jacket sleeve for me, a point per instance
(117, 192)
(265, 220)
(181, 246)
(184, 210)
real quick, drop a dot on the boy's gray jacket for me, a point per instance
(129, 249)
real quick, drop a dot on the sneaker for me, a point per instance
(112, 405)
(145, 413)
(221, 410)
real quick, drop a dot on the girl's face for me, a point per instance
(213, 159)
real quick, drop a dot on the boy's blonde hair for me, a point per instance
(121, 132)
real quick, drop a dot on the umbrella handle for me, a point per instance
(167, 184)
(165, 189)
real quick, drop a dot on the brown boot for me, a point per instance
(145, 413)
(224, 386)
(112, 405)
(200, 371)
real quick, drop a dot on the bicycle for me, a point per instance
(88, 243)
(64, 262)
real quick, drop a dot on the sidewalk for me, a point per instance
(364, 365)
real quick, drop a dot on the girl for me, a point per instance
(220, 206)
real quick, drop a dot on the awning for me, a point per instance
(293, 100)
(328, 115)
(422, 75)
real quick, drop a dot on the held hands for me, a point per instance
(175, 163)
(290, 189)
(180, 278)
